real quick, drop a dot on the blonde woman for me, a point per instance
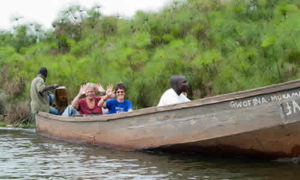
(88, 104)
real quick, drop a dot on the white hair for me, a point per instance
(91, 85)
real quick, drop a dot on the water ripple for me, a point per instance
(24, 155)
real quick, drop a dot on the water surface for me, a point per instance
(25, 155)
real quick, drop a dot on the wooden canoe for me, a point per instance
(261, 122)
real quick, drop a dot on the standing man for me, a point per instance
(174, 95)
(39, 94)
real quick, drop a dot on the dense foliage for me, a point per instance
(221, 46)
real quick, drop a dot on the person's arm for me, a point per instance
(102, 103)
(108, 95)
(54, 86)
(75, 101)
(100, 89)
(41, 87)
(130, 106)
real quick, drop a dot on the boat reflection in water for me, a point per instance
(24, 155)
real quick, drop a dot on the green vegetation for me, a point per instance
(220, 46)
(2, 124)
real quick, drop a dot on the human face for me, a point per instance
(182, 84)
(90, 92)
(120, 93)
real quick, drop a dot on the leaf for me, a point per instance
(269, 41)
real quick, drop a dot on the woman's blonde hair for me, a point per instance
(91, 85)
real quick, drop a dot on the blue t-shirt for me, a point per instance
(114, 106)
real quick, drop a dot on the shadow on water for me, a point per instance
(24, 155)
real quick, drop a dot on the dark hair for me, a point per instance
(174, 79)
(120, 86)
(43, 71)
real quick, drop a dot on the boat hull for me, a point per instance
(262, 122)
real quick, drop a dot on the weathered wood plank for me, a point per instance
(261, 121)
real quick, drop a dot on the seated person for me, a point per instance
(118, 105)
(87, 105)
(60, 99)
(175, 94)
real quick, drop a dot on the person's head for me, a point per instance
(120, 91)
(90, 90)
(179, 84)
(44, 72)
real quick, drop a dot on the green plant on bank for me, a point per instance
(23, 123)
(221, 46)
(3, 124)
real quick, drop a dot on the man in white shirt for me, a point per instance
(174, 94)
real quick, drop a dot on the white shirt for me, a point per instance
(171, 97)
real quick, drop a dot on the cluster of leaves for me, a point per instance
(221, 46)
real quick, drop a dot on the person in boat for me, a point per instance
(118, 104)
(176, 93)
(184, 93)
(40, 99)
(87, 105)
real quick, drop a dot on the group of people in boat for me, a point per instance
(110, 101)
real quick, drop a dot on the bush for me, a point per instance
(220, 46)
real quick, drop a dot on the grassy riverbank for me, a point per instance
(220, 48)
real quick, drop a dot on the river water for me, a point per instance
(26, 155)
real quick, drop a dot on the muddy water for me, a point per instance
(25, 155)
